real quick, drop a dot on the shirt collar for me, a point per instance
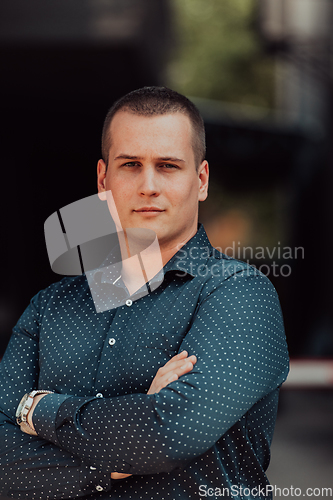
(187, 260)
(110, 270)
(191, 255)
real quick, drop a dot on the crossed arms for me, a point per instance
(177, 366)
(83, 440)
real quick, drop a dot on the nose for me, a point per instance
(148, 182)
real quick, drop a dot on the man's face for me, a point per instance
(152, 175)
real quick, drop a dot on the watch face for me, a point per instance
(20, 409)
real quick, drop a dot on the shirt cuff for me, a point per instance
(45, 414)
(93, 480)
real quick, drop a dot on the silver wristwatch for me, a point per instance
(23, 410)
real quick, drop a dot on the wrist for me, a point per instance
(26, 408)
(36, 400)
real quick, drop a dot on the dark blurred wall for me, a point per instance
(254, 158)
(299, 35)
(62, 66)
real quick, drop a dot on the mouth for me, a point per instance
(148, 210)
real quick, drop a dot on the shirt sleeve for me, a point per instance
(238, 337)
(31, 467)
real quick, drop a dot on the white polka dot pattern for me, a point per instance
(213, 426)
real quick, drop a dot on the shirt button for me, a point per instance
(112, 341)
(99, 488)
(92, 468)
(128, 302)
(98, 395)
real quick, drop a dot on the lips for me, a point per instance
(148, 209)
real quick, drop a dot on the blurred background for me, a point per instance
(261, 73)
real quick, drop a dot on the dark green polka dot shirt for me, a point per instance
(206, 433)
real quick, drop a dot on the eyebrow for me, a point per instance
(130, 157)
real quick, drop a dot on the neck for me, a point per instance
(143, 256)
(169, 248)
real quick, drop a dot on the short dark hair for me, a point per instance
(150, 101)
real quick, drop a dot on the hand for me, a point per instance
(176, 367)
(119, 475)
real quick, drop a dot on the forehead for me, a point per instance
(168, 131)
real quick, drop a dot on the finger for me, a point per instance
(176, 362)
(178, 369)
(193, 359)
(119, 475)
(183, 368)
(180, 355)
(177, 366)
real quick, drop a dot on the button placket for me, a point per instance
(117, 342)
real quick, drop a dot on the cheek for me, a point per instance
(185, 193)
(119, 187)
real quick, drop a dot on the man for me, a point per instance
(172, 395)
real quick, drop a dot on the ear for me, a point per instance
(203, 174)
(101, 174)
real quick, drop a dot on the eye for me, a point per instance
(169, 166)
(131, 164)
